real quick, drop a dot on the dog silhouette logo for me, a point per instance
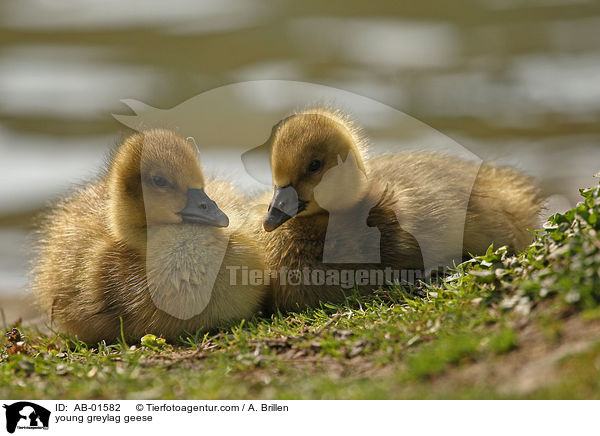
(26, 415)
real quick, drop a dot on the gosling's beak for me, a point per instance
(285, 205)
(201, 209)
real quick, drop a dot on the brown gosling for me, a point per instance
(427, 210)
(143, 245)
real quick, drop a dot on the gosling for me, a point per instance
(145, 249)
(334, 208)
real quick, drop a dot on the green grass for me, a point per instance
(472, 337)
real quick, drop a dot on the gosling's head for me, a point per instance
(155, 178)
(304, 147)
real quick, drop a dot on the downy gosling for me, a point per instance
(146, 247)
(334, 209)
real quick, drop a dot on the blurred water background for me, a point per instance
(516, 81)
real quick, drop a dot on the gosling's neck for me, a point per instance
(129, 229)
(316, 225)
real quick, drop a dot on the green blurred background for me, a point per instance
(517, 81)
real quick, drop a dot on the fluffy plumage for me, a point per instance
(425, 206)
(107, 247)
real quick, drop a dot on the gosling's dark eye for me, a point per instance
(314, 166)
(160, 182)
